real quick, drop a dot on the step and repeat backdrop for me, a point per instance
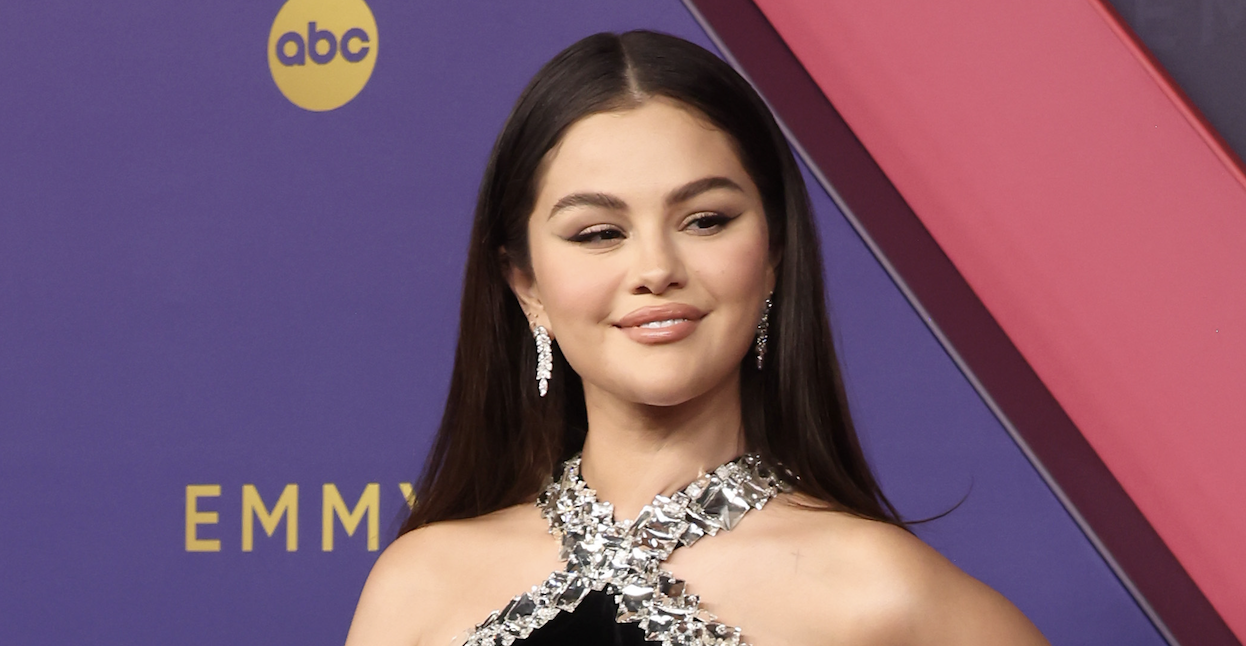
(231, 247)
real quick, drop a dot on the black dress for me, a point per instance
(613, 590)
(592, 622)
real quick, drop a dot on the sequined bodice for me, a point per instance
(623, 559)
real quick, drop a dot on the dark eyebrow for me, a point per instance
(681, 194)
(600, 200)
(695, 188)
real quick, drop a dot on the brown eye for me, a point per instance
(597, 234)
(707, 223)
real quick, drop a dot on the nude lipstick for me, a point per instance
(665, 323)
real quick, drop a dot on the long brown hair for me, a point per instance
(499, 440)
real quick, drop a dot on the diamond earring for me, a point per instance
(763, 330)
(544, 358)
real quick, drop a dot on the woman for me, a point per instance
(644, 291)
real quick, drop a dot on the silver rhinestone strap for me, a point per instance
(623, 558)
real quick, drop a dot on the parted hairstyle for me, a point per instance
(499, 440)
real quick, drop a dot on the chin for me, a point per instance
(669, 378)
(665, 399)
(669, 388)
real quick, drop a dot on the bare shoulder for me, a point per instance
(893, 587)
(422, 587)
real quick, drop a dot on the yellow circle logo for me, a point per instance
(321, 52)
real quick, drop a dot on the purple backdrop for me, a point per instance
(201, 283)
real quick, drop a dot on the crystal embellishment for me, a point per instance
(624, 558)
(544, 358)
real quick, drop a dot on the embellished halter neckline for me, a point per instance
(624, 558)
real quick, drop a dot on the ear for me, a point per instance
(772, 269)
(523, 285)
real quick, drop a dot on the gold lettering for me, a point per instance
(195, 518)
(408, 494)
(369, 503)
(253, 506)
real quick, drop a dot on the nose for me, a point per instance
(658, 265)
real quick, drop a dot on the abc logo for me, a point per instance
(321, 52)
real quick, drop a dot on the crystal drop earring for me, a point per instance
(763, 331)
(544, 358)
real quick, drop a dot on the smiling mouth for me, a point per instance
(662, 324)
(659, 324)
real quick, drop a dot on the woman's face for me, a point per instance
(650, 259)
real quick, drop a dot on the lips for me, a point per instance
(660, 323)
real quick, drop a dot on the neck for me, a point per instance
(634, 452)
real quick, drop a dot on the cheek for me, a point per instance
(575, 288)
(734, 270)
